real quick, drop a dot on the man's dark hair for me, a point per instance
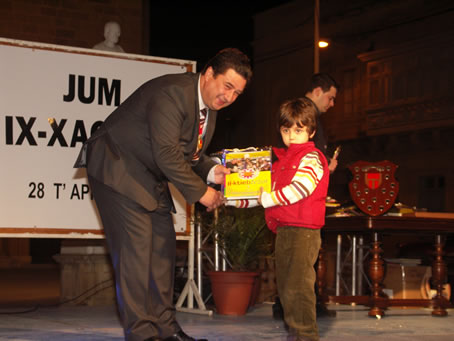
(230, 58)
(324, 81)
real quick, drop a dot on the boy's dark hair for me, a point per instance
(322, 80)
(230, 58)
(299, 111)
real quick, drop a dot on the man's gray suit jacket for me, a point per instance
(151, 138)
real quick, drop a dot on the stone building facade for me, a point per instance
(393, 60)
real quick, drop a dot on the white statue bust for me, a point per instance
(112, 32)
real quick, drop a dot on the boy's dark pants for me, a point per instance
(296, 253)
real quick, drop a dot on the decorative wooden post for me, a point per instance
(439, 273)
(322, 297)
(376, 274)
(321, 277)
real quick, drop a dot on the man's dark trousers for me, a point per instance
(150, 300)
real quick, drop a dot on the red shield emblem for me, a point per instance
(373, 187)
(373, 180)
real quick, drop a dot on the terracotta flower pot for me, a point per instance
(231, 291)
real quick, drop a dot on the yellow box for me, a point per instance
(250, 171)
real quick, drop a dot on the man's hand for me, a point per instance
(333, 162)
(212, 199)
(219, 174)
(332, 165)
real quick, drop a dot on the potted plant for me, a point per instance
(243, 239)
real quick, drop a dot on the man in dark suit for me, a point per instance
(158, 135)
(322, 91)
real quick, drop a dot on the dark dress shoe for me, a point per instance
(322, 311)
(181, 336)
(278, 310)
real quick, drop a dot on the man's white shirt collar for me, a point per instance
(202, 104)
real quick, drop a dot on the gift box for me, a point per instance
(250, 170)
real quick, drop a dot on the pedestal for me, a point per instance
(86, 279)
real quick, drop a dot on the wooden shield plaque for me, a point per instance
(373, 187)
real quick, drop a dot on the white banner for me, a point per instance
(51, 98)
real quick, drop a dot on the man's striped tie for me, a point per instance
(203, 114)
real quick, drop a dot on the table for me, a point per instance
(437, 225)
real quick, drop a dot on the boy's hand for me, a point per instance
(259, 199)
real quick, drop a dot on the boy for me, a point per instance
(295, 210)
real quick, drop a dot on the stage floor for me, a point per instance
(22, 320)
